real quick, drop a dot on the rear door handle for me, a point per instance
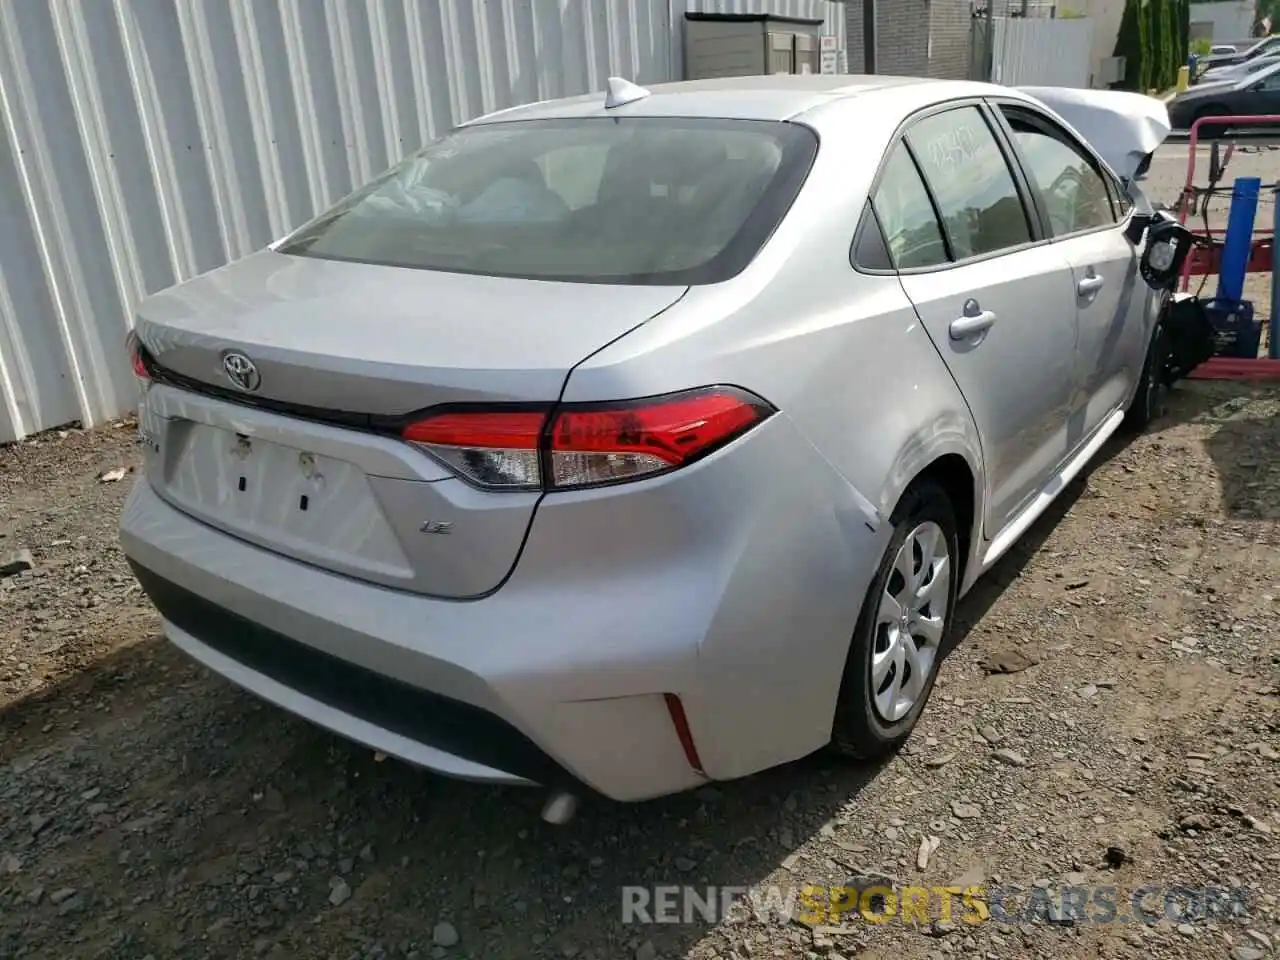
(964, 327)
(1090, 285)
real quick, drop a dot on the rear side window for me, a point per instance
(1074, 191)
(977, 198)
(906, 214)
(637, 200)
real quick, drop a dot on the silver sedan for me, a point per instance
(631, 441)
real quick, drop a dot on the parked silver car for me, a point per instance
(1239, 71)
(625, 443)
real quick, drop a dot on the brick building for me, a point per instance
(945, 39)
(915, 38)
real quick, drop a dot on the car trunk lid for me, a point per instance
(306, 462)
(378, 340)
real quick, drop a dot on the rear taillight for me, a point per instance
(137, 356)
(586, 445)
(491, 448)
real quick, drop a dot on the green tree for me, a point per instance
(1157, 44)
(1146, 47)
(1168, 69)
(1129, 45)
(1184, 31)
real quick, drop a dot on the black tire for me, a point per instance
(858, 730)
(1153, 388)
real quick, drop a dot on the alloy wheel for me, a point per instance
(910, 622)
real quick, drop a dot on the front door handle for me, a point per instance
(971, 323)
(1090, 285)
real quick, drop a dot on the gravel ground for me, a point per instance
(1108, 717)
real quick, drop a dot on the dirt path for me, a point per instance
(148, 809)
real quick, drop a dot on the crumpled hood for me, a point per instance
(1125, 128)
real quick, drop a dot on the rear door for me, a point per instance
(1080, 208)
(998, 304)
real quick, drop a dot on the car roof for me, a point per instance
(777, 97)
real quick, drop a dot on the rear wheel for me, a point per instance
(898, 641)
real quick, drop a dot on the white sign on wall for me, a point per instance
(829, 56)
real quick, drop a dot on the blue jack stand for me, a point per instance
(1238, 244)
(1238, 331)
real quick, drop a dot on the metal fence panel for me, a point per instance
(1036, 51)
(145, 141)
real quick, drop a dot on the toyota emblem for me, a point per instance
(241, 371)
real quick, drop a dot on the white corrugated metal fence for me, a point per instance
(145, 141)
(1044, 52)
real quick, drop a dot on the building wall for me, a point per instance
(937, 38)
(831, 14)
(950, 43)
(928, 38)
(145, 141)
(1230, 20)
(902, 37)
(1106, 16)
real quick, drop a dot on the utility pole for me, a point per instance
(869, 23)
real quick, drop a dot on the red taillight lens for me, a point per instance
(497, 449)
(607, 444)
(136, 356)
(588, 445)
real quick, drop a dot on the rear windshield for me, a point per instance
(600, 200)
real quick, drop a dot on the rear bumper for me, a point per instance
(464, 741)
(459, 688)
(732, 585)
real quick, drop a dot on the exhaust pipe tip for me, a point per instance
(560, 808)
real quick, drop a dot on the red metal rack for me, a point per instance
(1205, 259)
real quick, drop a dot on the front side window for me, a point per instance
(981, 209)
(1120, 199)
(639, 200)
(910, 225)
(1073, 189)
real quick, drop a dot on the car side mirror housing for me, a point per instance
(1168, 243)
(1137, 227)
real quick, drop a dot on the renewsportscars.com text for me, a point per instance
(814, 905)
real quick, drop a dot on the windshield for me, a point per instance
(604, 200)
(1262, 46)
(1260, 64)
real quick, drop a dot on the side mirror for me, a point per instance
(1138, 223)
(1168, 243)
